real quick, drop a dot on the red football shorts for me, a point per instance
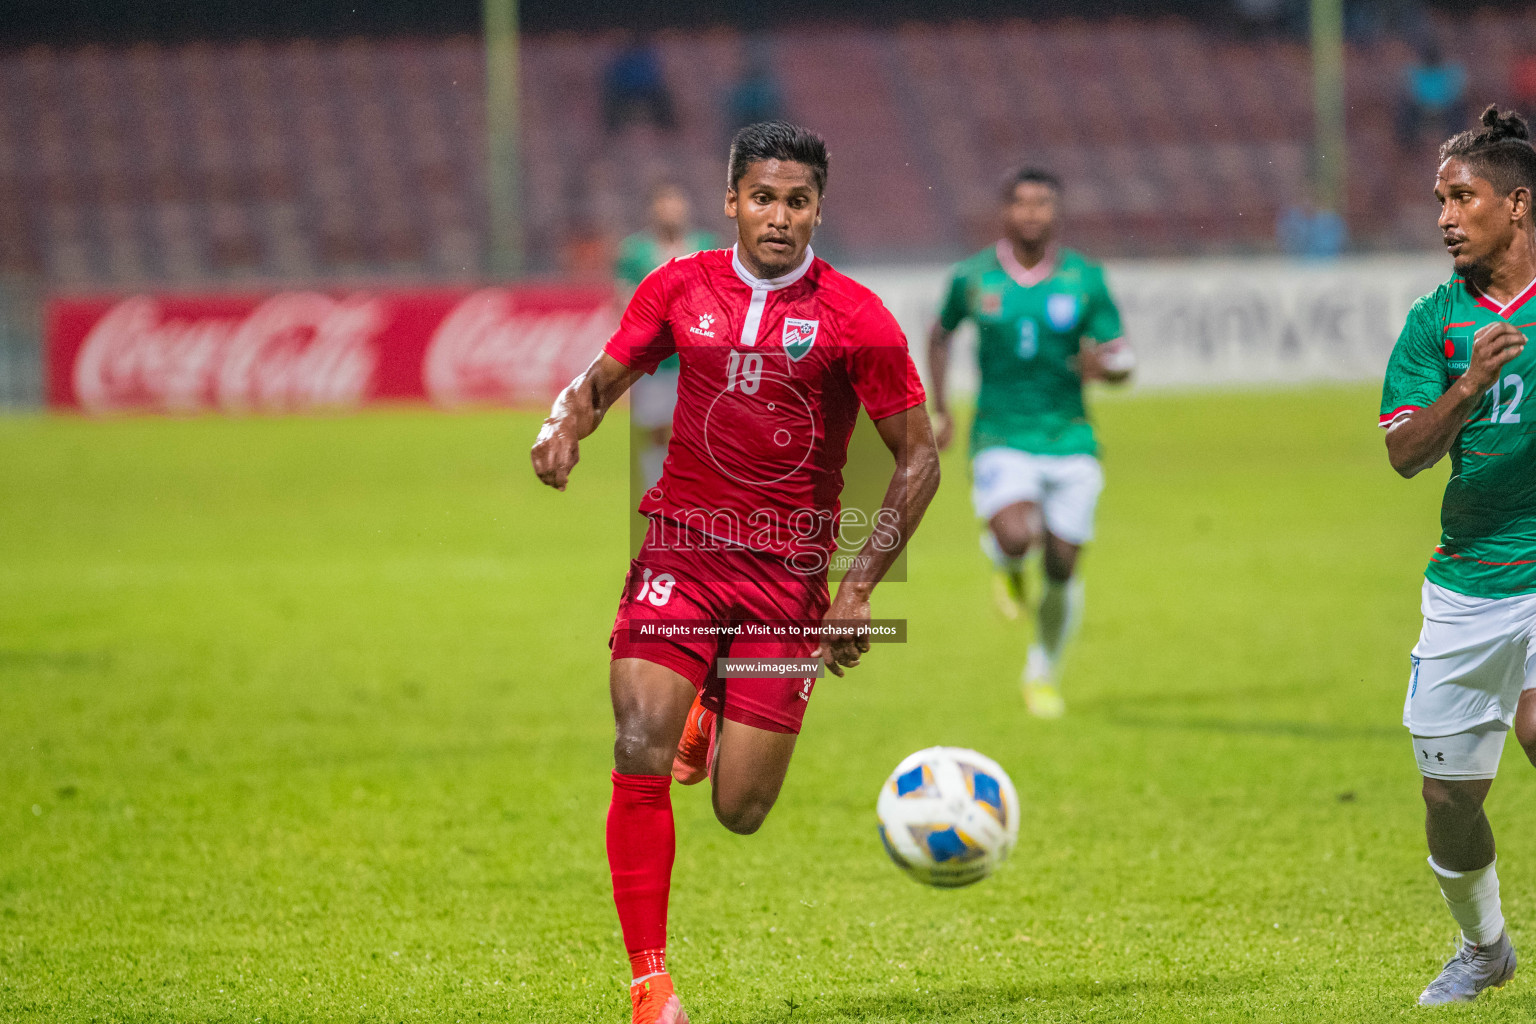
(689, 599)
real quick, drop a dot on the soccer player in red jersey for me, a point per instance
(779, 351)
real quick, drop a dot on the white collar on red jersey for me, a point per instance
(1026, 276)
(770, 284)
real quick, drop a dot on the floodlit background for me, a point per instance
(303, 709)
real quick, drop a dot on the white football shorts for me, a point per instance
(1474, 658)
(1066, 487)
(652, 399)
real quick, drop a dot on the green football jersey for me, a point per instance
(640, 253)
(1488, 516)
(1030, 325)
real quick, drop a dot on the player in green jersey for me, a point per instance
(666, 237)
(1045, 323)
(1458, 383)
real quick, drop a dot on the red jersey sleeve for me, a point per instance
(644, 337)
(879, 366)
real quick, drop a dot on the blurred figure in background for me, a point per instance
(634, 85)
(1434, 95)
(756, 97)
(667, 236)
(1045, 325)
(1308, 231)
(586, 251)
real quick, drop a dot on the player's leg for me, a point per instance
(1525, 723)
(1005, 493)
(650, 702)
(1463, 694)
(1072, 485)
(760, 717)
(652, 401)
(1016, 529)
(1462, 858)
(1460, 838)
(1061, 601)
(1525, 709)
(749, 768)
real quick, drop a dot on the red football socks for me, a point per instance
(641, 845)
(647, 962)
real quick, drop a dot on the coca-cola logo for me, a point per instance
(489, 350)
(293, 351)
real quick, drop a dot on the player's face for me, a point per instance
(1476, 220)
(1029, 217)
(669, 211)
(776, 208)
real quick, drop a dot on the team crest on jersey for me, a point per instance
(1061, 311)
(799, 336)
(991, 303)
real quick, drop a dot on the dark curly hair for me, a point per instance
(1029, 176)
(778, 140)
(1499, 152)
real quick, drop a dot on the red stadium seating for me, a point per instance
(291, 160)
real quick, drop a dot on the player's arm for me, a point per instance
(1421, 437)
(955, 309)
(1103, 354)
(938, 383)
(576, 413)
(914, 481)
(642, 341)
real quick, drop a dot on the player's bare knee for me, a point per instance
(745, 815)
(744, 820)
(1058, 568)
(640, 749)
(1014, 541)
(1446, 801)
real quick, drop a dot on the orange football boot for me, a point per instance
(655, 1002)
(697, 746)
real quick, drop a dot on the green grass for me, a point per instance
(306, 719)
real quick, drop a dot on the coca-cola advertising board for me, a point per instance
(295, 351)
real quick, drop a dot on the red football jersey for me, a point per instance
(773, 374)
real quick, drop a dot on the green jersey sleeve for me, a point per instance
(956, 303)
(1103, 322)
(1416, 370)
(634, 261)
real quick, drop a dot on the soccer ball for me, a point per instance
(948, 816)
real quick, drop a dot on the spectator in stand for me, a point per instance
(756, 97)
(633, 84)
(1434, 97)
(1256, 19)
(1306, 231)
(1522, 84)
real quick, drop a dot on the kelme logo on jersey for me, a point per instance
(1061, 311)
(799, 336)
(1458, 354)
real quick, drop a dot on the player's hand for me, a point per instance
(943, 430)
(1089, 361)
(555, 452)
(1492, 347)
(843, 650)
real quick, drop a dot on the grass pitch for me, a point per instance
(306, 719)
